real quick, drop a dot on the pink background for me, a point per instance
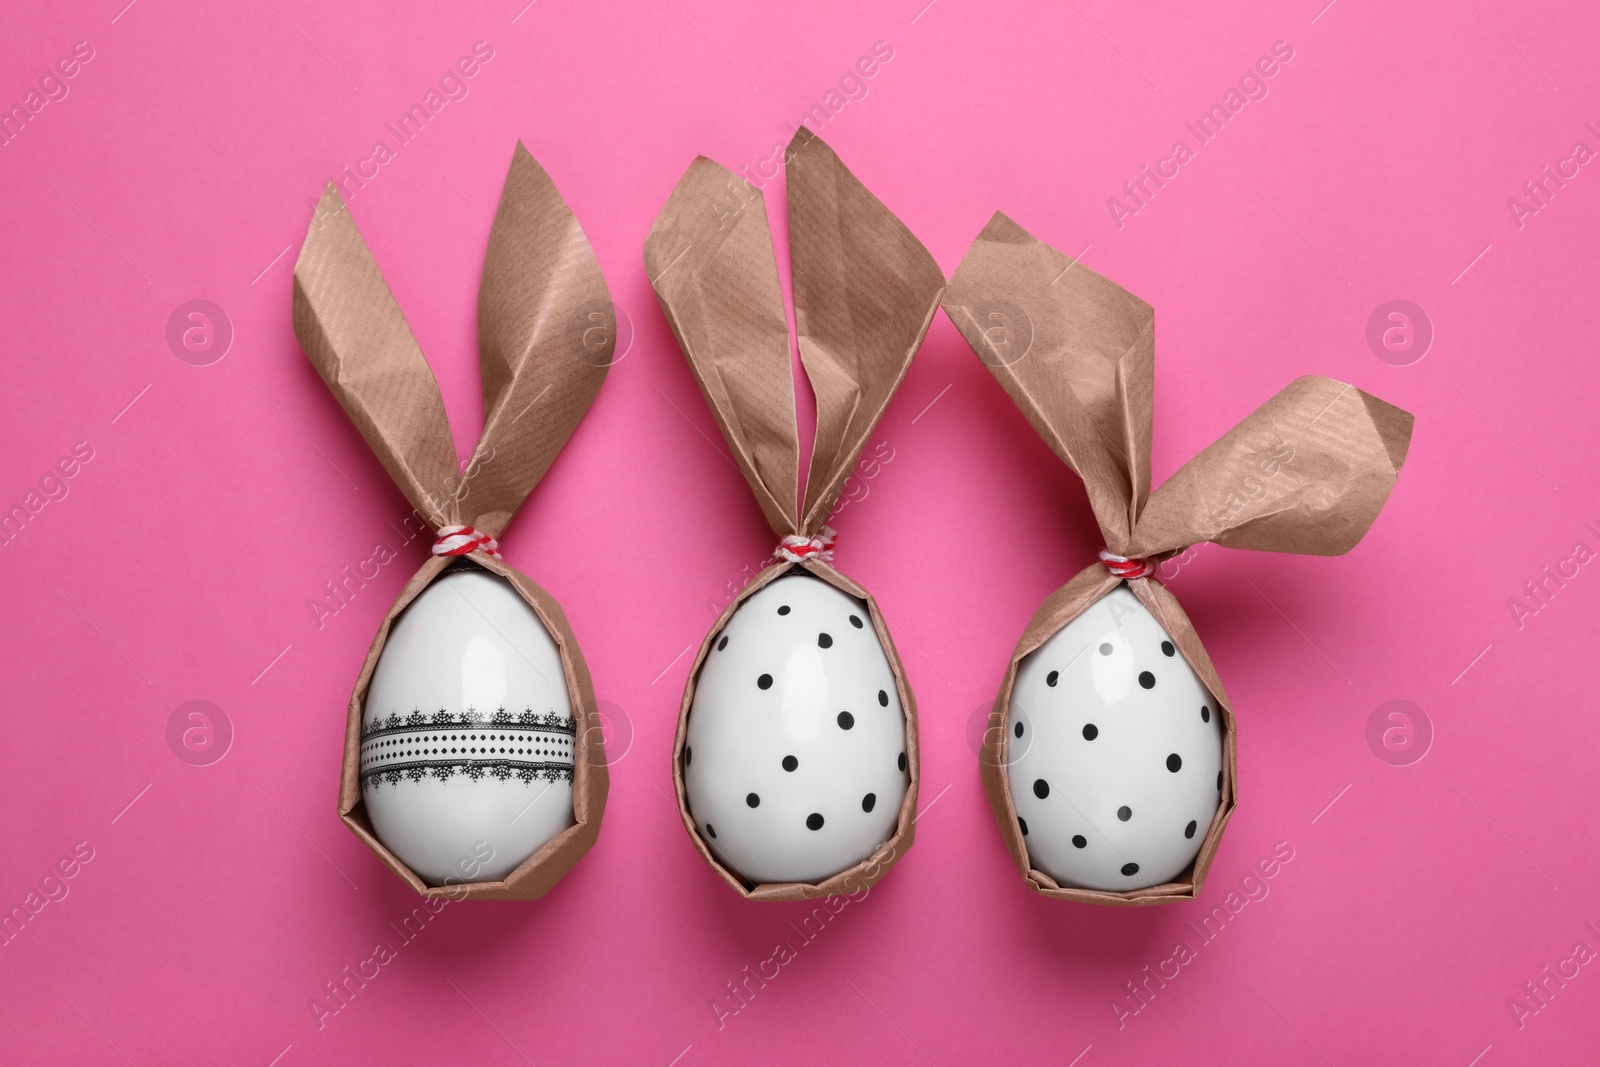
(182, 165)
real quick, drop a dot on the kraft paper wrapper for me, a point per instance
(1307, 472)
(865, 291)
(546, 331)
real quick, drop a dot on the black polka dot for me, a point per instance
(846, 720)
(1147, 679)
(1174, 763)
(753, 800)
(1052, 678)
(869, 802)
(790, 763)
(1167, 649)
(688, 755)
(1079, 841)
(1124, 813)
(1105, 649)
(883, 699)
(1023, 823)
(1188, 831)
(824, 641)
(1041, 788)
(723, 643)
(783, 609)
(711, 830)
(1219, 781)
(1090, 731)
(855, 621)
(764, 682)
(1130, 869)
(1205, 713)
(1017, 729)
(902, 761)
(813, 821)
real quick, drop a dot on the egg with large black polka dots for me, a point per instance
(795, 761)
(1115, 751)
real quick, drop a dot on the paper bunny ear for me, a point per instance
(547, 332)
(709, 257)
(1076, 352)
(1307, 472)
(350, 326)
(865, 291)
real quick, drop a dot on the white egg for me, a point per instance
(795, 760)
(467, 734)
(1114, 751)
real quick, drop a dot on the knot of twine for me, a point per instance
(796, 548)
(459, 540)
(1125, 568)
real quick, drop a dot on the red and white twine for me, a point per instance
(459, 540)
(1125, 568)
(797, 549)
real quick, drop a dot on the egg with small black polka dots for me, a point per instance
(1114, 751)
(798, 736)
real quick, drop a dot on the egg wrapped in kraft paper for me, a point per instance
(795, 759)
(1115, 751)
(473, 765)
(467, 740)
(1110, 758)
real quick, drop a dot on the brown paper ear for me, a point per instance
(709, 257)
(546, 335)
(1307, 472)
(350, 326)
(864, 295)
(1076, 352)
